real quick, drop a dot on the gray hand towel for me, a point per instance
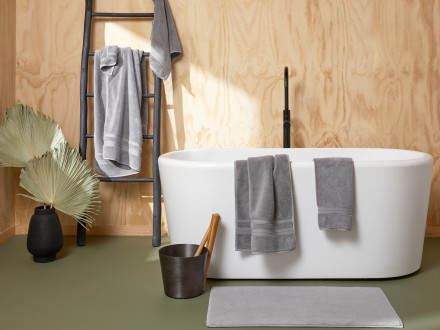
(334, 179)
(119, 110)
(242, 217)
(165, 45)
(264, 205)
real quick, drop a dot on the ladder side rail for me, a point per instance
(81, 231)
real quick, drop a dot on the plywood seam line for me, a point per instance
(84, 95)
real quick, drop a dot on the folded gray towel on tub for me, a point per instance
(242, 217)
(334, 179)
(264, 205)
(119, 110)
(165, 45)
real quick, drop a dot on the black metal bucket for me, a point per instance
(182, 273)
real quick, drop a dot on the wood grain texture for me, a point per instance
(7, 98)
(362, 74)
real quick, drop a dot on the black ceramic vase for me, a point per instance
(45, 236)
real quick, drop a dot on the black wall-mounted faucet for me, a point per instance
(286, 112)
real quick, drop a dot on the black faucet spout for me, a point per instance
(286, 112)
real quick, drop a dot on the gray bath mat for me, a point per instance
(290, 306)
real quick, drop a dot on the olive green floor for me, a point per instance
(115, 283)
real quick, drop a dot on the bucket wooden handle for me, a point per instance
(214, 225)
(203, 242)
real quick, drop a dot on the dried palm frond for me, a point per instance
(64, 180)
(25, 135)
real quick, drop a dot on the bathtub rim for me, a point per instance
(168, 158)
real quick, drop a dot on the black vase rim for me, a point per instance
(42, 210)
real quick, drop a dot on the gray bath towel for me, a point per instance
(334, 179)
(264, 205)
(119, 81)
(165, 45)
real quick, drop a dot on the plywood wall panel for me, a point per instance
(362, 74)
(7, 97)
(49, 34)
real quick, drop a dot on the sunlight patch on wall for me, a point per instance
(124, 33)
(218, 112)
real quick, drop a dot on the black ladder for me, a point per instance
(81, 232)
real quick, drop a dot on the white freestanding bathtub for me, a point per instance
(389, 217)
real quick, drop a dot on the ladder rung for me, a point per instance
(145, 96)
(144, 54)
(144, 137)
(107, 179)
(123, 14)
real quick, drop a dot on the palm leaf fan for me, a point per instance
(25, 135)
(64, 180)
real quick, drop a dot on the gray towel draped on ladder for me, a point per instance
(119, 109)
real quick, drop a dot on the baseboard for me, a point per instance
(432, 231)
(100, 230)
(7, 234)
